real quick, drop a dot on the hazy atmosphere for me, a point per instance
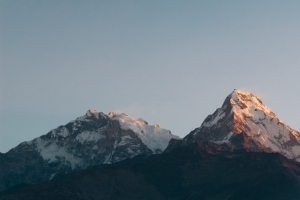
(171, 63)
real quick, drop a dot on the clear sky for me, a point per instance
(169, 62)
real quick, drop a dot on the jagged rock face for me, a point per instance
(92, 139)
(244, 121)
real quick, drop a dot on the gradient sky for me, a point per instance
(169, 62)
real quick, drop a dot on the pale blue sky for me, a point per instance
(170, 62)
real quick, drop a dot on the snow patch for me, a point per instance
(154, 137)
(220, 115)
(225, 139)
(64, 132)
(125, 140)
(51, 152)
(89, 136)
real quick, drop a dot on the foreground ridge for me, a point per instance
(202, 170)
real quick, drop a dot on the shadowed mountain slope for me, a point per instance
(197, 171)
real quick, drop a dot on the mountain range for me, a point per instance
(241, 151)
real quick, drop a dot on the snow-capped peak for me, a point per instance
(248, 104)
(241, 105)
(244, 121)
(92, 139)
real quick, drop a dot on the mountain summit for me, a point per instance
(92, 139)
(244, 121)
